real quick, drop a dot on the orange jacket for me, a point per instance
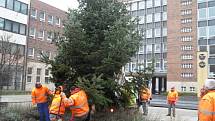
(58, 104)
(80, 105)
(206, 109)
(145, 94)
(172, 96)
(39, 95)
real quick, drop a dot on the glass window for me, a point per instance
(157, 48)
(157, 32)
(141, 20)
(50, 19)
(39, 71)
(164, 2)
(15, 27)
(149, 18)
(30, 51)
(211, 22)
(57, 21)
(211, 12)
(148, 48)
(164, 16)
(212, 50)
(10, 4)
(1, 23)
(47, 80)
(28, 78)
(42, 16)
(41, 34)
(149, 3)
(157, 17)
(164, 31)
(149, 33)
(2, 3)
(202, 13)
(157, 3)
(200, 1)
(22, 29)
(202, 23)
(211, 3)
(47, 72)
(8, 25)
(50, 36)
(142, 5)
(30, 70)
(24, 8)
(32, 32)
(17, 6)
(33, 13)
(202, 32)
(134, 6)
(211, 31)
(38, 79)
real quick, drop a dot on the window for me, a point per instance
(165, 64)
(127, 67)
(2, 3)
(39, 71)
(186, 38)
(164, 47)
(32, 32)
(39, 54)
(187, 48)
(187, 57)
(22, 29)
(141, 48)
(212, 49)
(57, 21)
(47, 72)
(41, 34)
(148, 3)
(141, 20)
(28, 79)
(192, 89)
(133, 67)
(186, 12)
(202, 32)
(157, 48)
(134, 6)
(30, 52)
(148, 48)
(211, 12)
(164, 16)
(149, 33)
(187, 66)
(50, 36)
(157, 65)
(186, 75)
(164, 31)
(24, 8)
(149, 18)
(34, 13)
(157, 32)
(30, 70)
(186, 30)
(42, 16)
(50, 19)
(157, 3)
(164, 2)
(186, 20)
(8, 25)
(211, 31)
(38, 79)
(17, 6)
(186, 2)
(183, 89)
(157, 17)
(10, 4)
(142, 5)
(202, 13)
(1, 23)
(47, 81)
(15, 28)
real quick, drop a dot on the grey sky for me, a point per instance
(62, 4)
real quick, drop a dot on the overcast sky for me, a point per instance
(62, 4)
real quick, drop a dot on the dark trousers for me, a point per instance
(43, 111)
(145, 107)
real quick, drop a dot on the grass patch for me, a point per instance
(14, 92)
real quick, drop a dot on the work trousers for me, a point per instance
(145, 107)
(171, 106)
(43, 111)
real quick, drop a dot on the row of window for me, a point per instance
(186, 29)
(206, 4)
(206, 32)
(157, 48)
(145, 4)
(42, 17)
(206, 23)
(156, 32)
(38, 79)
(201, 1)
(12, 48)
(41, 34)
(186, 12)
(186, 38)
(187, 57)
(206, 13)
(187, 65)
(186, 2)
(15, 6)
(38, 71)
(12, 26)
(186, 47)
(39, 53)
(186, 20)
(184, 89)
(186, 75)
(149, 18)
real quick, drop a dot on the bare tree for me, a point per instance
(10, 62)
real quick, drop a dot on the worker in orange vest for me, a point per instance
(59, 102)
(172, 98)
(206, 108)
(79, 104)
(39, 97)
(145, 97)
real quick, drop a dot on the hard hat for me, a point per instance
(210, 84)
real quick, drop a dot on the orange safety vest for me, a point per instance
(206, 108)
(172, 96)
(58, 105)
(145, 94)
(39, 95)
(80, 105)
